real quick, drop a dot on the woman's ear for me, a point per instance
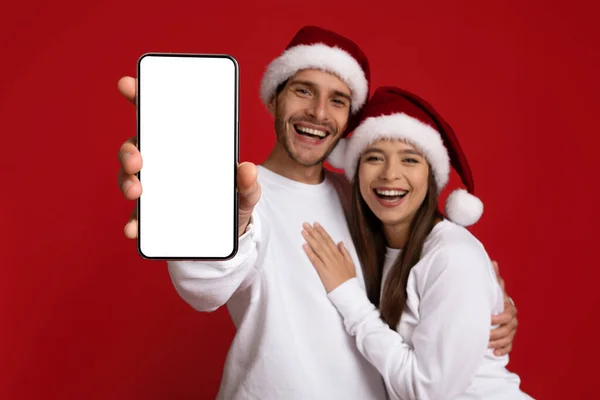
(433, 186)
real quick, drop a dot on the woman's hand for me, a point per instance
(332, 262)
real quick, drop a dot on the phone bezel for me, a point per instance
(235, 161)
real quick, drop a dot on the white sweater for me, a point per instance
(290, 342)
(440, 349)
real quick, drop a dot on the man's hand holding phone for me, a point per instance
(131, 164)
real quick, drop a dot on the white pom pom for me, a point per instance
(337, 157)
(463, 208)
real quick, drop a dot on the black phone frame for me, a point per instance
(235, 161)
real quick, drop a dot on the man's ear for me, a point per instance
(272, 106)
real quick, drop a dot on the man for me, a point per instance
(290, 341)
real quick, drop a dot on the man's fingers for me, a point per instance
(509, 307)
(130, 157)
(508, 316)
(131, 228)
(502, 319)
(127, 87)
(130, 186)
(503, 351)
(500, 343)
(131, 162)
(495, 264)
(500, 333)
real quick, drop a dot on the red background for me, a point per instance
(82, 316)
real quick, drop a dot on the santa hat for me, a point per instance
(394, 113)
(316, 48)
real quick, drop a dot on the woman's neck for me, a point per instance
(396, 235)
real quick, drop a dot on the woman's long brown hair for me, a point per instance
(370, 242)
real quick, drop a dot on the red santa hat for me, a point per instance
(394, 113)
(317, 48)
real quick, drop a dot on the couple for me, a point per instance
(404, 304)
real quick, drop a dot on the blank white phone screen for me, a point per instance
(187, 136)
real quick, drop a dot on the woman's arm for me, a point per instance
(449, 344)
(450, 341)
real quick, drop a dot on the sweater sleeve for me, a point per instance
(450, 340)
(207, 285)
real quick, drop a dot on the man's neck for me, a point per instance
(282, 164)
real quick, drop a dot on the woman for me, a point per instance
(424, 321)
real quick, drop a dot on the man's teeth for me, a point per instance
(391, 192)
(314, 132)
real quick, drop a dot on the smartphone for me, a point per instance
(187, 134)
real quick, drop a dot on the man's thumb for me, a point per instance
(248, 187)
(246, 177)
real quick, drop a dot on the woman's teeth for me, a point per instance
(390, 193)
